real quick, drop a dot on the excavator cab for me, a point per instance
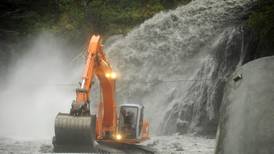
(131, 123)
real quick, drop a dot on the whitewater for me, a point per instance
(176, 63)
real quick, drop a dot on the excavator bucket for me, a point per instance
(74, 133)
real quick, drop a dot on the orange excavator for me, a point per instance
(81, 128)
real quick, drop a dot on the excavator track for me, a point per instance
(123, 148)
(74, 133)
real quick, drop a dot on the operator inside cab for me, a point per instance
(128, 116)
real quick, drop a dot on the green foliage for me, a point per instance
(119, 16)
(77, 18)
(262, 20)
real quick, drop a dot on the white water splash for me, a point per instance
(40, 84)
(182, 46)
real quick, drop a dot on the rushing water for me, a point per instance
(176, 64)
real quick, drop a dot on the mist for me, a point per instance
(40, 83)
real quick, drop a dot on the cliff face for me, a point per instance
(261, 21)
(258, 47)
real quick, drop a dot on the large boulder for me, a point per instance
(247, 114)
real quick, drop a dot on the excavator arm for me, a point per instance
(81, 104)
(70, 128)
(92, 56)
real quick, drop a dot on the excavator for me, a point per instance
(80, 127)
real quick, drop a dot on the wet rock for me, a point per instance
(247, 113)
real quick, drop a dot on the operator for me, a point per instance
(128, 122)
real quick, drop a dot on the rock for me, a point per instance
(247, 113)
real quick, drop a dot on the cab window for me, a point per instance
(128, 121)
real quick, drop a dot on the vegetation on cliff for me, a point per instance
(261, 21)
(75, 18)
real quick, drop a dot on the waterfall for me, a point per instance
(177, 62)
